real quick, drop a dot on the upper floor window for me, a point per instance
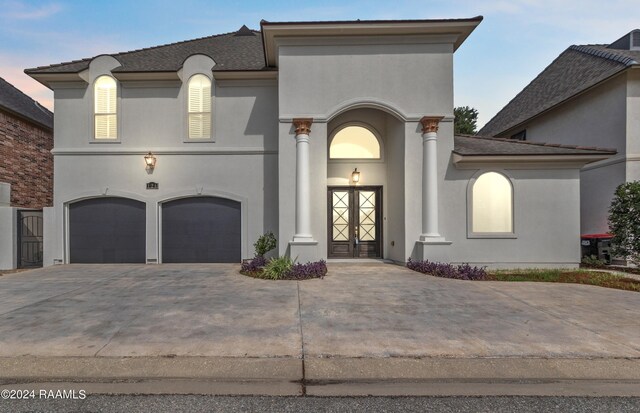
(105, 108)
(199, 107)
(521, 136)
(354, 142)
(491, 205)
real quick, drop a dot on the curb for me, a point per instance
(325, 376)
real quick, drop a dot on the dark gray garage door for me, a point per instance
(107, 230)
(202, 229)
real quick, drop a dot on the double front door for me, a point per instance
(355, 222)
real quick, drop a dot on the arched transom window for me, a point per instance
(199, 107)
(105, 108)
(492, 204)
(354, 142)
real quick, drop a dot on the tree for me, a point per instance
(465, 120)
(624, 221)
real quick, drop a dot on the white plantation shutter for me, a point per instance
(199, 107)
(106, 118)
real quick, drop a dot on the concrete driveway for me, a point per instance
(358, 310)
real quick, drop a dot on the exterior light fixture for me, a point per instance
(355, 176)
(150, 161)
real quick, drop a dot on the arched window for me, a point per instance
(492, 204)
(105, 108)
(199, 107)
(354, 142)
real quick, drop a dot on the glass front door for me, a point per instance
(354, 222)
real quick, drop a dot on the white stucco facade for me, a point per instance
(263, 156)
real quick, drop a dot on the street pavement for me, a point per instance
(178, 404)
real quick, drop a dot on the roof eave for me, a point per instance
(48, 128)
(146, 75)
(47, 78)
(272, 30)
(564, 161)
(244, 74)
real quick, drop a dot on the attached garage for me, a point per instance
(201, 230)
(106, 231)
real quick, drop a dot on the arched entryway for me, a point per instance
(201, 230)
(365, 156)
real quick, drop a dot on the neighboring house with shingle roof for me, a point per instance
(26, 139)
(589, 95)
(26, 174)
(336, 136)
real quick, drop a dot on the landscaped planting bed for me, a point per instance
(599, 278)
(579, 276)
(282, 268)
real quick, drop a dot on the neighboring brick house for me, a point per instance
(26, 177)
(26, 140)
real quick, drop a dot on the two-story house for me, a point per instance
(590, 96)
(336, 136)
(26, 176)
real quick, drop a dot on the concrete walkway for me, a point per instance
(363, 321)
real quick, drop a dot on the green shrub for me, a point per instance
(592, 261)
(277, 268)
(624, 221)
(265, 243)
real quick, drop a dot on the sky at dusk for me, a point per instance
(516, 40)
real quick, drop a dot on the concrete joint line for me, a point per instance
(303, 381)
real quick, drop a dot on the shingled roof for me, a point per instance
(14, 101)
(577, 69)
(468, 145)
(240, 50)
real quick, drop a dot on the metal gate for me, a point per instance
(29, 239)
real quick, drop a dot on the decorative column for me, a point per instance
(303, 185)
(430, 179)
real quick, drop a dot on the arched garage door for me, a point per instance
(107, 230)
(201, 229)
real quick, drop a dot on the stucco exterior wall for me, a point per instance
(408, 80)
(416, 79)
(8, 237)
(633, 125)
(595, 118)
(178, 176)
(597, 186)
(240, 162)
(546, 221)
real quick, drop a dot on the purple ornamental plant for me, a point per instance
(444, 270)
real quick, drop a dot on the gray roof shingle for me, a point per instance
(14, 100)
(241, 50)
(468, 145)
(575, 70)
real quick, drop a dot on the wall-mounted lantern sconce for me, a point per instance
(150, 161)
(355, 176)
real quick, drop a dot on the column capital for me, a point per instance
(430, 123)
(303, 125)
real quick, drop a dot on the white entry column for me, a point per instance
(430, 179)
(303, 184)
